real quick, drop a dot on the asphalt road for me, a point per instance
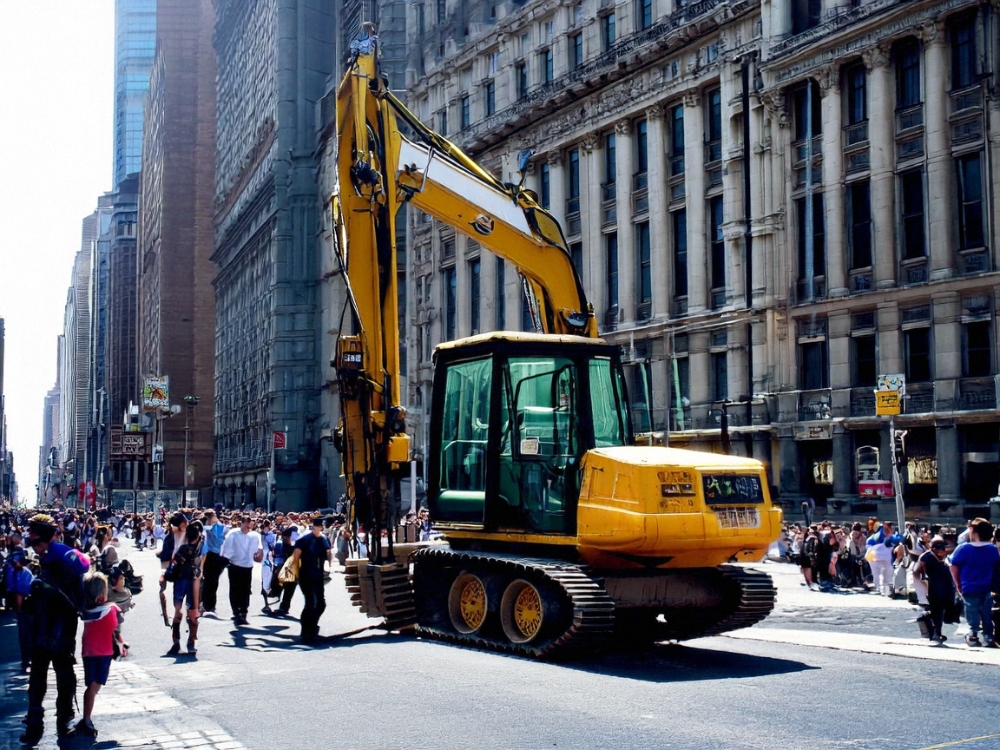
(256, 687)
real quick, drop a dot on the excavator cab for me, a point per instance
(513, 416)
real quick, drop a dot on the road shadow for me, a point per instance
(278, 637)
(668, 662)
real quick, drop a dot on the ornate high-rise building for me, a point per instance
(274, 61)
(770, 206)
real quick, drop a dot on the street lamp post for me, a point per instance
(191, 402)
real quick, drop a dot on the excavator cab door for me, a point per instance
(510, 429)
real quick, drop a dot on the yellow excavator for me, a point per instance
(560, 533)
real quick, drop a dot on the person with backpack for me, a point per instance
(55, 601)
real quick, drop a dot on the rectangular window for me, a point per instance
(521, 71)
(679, 221)
(544, 187)
(611, 262)
(857, 102)
(527, 324)
(912, 209)
(501, 295)
(807, 117)
(489, 98)
(680, 393)
(908, 74)
(474, 322)
(463, 110)
(918, 355)
(859, 223)
(450, 303)
(805, 14)
(720, 377)
(718, 249)
(610, 159)
(641, 148)
(576, 255)
(573, 178)
(642, 252)
(818, 236)
(443, 122)
(812, 365)
(545, 63)
(442, 11)
(644, 13)
(421, 21)
(575, 51)
(863, 362)
(677, 140)
(963, 53)
(970, 201)
(714, 127)
(977, 354)
(607, 31)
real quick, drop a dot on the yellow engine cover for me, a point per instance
(644, 507)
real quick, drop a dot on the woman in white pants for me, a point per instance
(880, 557)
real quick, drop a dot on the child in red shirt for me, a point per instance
(100, 632)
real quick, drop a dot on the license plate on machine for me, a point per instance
(738, 518)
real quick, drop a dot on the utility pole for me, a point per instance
(190, 402)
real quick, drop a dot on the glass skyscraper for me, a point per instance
(135, 44)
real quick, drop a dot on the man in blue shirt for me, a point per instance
(975, 566)
(55, 601)
(214, 563)
(18, 580)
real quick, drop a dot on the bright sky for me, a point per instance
(56, 99)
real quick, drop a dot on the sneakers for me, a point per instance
(174, 650)
(32, 735)
(240, 620)
(86, 728)
(972, 640)
(192, 648)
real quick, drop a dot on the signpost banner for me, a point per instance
(155, 392)
(279, 440)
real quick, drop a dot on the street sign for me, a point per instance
(279, 440)
(131, 447)
(888, 390)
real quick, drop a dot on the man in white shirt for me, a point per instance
(242, 548)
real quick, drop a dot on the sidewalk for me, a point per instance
(854, 621)
(131, 711)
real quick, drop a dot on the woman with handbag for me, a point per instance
(173, 540)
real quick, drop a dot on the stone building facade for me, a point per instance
(176, 301)
(274, 60)
(672, 142)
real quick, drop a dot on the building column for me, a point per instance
(882, 150)
(590, 221)
(733, 164)
(657, 191)
(694, 188)
(947, 337)
(698, 387)
(626, 229)
(940, 186)
(833, 196)
(890, 339)
(844, 488)
(557, 187)
(593, 237)
(789, 483)
(949, 484)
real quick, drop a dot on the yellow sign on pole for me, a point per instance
(886, 402)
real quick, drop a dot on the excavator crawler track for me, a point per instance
(580, 616)
(748, 597)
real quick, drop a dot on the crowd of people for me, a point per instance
(61, 568)
(945, 572)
